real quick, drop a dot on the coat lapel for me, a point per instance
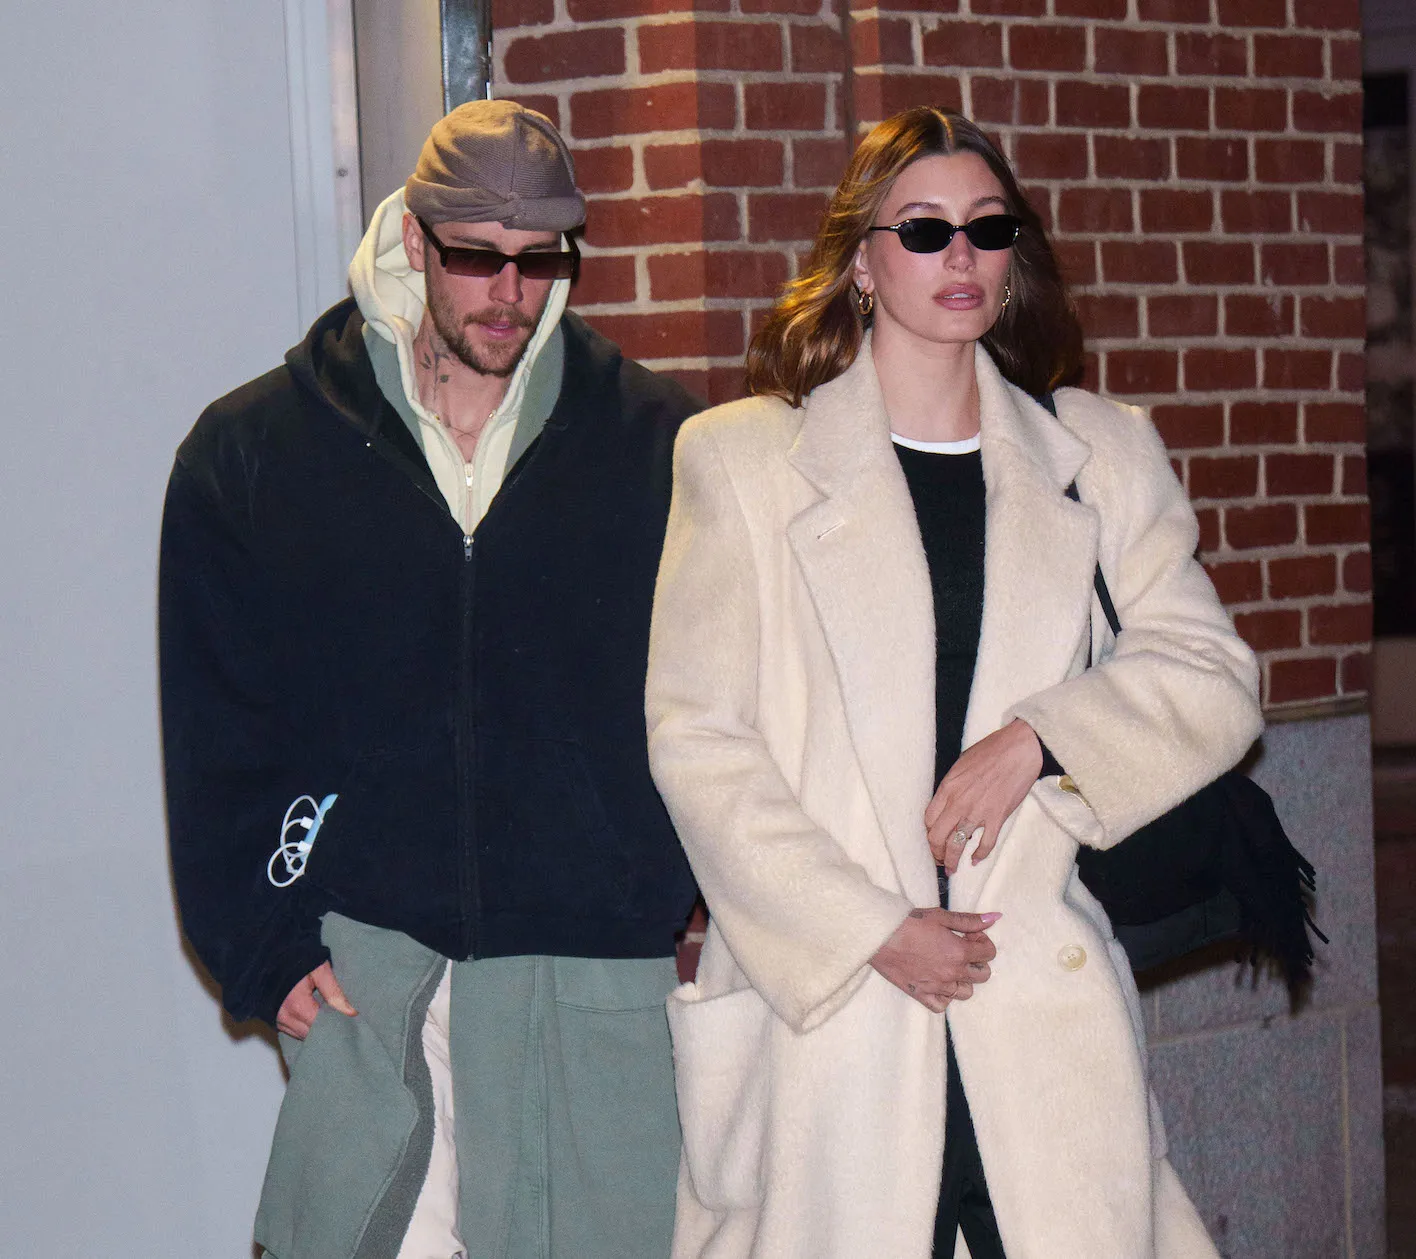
(1039, 553)
(859, 552)
(1039, 559)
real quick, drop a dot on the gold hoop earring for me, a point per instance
(1007, 297)
(865, 302)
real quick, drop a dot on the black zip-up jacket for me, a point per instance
(476, 705)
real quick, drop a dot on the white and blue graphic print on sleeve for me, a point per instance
(298, 833)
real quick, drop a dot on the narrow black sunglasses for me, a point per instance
(929, 236)
(534, 264)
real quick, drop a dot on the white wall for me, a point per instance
(400, 89)
(148, 258)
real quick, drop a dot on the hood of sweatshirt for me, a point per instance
(392, 298)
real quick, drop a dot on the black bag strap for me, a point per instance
(1102, 593)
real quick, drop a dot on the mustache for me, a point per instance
(502, 315)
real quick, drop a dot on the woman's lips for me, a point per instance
(960, 297)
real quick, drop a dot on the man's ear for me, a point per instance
(413, 243)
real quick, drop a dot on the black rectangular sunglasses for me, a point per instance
(929, 236)
(534, 264)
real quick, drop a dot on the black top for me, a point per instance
(477, 707)
(948, 498)
(948, 494)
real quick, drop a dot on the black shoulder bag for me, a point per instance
(1218, 866)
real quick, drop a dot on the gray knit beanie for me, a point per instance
(496, 161)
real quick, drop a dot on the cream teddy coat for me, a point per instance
(791, 717)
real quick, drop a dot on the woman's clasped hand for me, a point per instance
(937, 956)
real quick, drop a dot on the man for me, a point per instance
(405, 591)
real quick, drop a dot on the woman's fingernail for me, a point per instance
(990, 919)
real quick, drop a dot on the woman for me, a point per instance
(838, 614)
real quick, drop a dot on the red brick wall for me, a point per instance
(707, 140)
(1199, 162)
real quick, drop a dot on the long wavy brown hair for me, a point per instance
(814, 331)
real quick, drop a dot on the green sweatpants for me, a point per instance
(567, 1134)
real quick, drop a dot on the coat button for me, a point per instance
(1072, 957)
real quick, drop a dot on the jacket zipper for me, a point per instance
(468, 872)
(468, 875)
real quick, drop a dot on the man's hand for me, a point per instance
(981, 790)
(937, 956)
(298, 1010)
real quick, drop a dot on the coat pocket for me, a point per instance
(722, 1066)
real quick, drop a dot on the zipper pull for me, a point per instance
(467, 547)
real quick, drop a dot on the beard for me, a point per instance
(497, 359)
